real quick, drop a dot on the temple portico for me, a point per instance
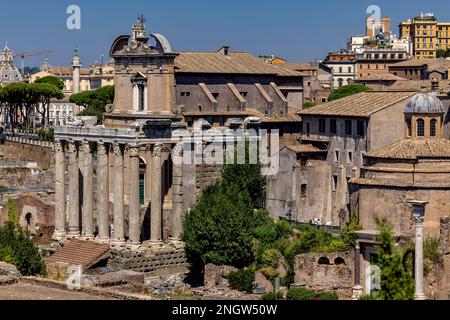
(92, 161)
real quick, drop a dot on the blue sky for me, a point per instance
(297, 30)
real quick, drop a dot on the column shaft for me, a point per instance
(134, 213)
(177, 196)
(156, 211)
(88, 213)
(74, 191)
(60, 192)
(419, 261)
(119, 235)
(103, 192)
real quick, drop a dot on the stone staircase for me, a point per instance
(76, 253)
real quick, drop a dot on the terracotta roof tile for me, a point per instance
(304, 148)
(359, 105)
(414, 149)
(232, 63)
(418, 85)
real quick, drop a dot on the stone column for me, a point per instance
(357, 289)
(74, 191)
(134, 219)
(177, 195)
(102, 193)
(148, 175)
(119, 234)
(419, 217)
(156, 211)
(88, 193)
(60, 195)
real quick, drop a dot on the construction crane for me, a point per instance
(22, 56)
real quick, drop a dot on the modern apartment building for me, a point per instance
(427, 35)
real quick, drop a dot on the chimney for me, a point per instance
(434, 85)
(225, 50)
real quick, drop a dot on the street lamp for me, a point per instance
(419, 217)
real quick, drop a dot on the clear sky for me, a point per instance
(297, 30)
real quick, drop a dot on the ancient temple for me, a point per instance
(119, 183)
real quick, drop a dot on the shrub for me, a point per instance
(17, 248)
(13, 215)
(242, 280)
(306, 294)
(431, 251)
(272, 296)
(347, 90)
(308, 105)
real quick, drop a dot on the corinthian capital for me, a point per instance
(59, 146)
(418, 220)
(101, 148)
(157, 150)
(87, 147)
(73, 147)
(133, 151)
(117, 149)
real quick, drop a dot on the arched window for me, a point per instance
(341, 82)
(433, 127)
(420, 128)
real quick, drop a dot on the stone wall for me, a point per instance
(27, 152)
(207, 175)
(166, 260)
(41, 213)
(326, 272)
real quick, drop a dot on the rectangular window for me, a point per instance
(322, 125)
(333, 126)
(348, 127)
(360, 128)
(349, 157)
(308, 129)
(335, 182)
(304, 190)
(336, 156)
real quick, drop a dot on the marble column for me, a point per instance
(60, 195)
(74, 191)
(156, 211)
(148, 175)
(177, 193)
(419, 217)
(134, 219)
(88, 193)
(102, 193)
(119, 234)
(357, 289)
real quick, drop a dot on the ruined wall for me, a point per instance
(26, 179)
(157, 262)
(326, 272)
(391, 204)
(26, 152)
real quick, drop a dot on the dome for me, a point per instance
(8, 71)
(424, 103)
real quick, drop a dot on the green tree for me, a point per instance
(94, 101)
(346, 91)
(397, 282)
(220, 229)
(13, 215)
(51, 80)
